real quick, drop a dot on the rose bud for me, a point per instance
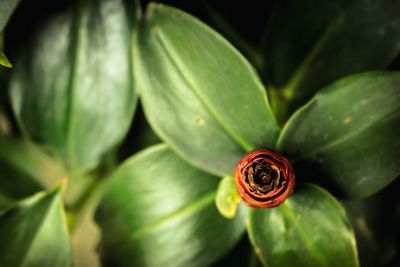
(264, 178)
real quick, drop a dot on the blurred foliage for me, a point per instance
(138, 223)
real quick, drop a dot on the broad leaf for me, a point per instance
(34, 232)
(350, 131)
(308, 229)
(160, 211)
(313, 43)
(72, 87)
(199, 94)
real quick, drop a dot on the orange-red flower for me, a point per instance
(264, 178)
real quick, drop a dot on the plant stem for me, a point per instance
(75, 212)
(280, 104)
(93, 190)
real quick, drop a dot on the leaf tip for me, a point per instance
(6, 63)
(4, 60)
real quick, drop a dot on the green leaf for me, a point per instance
(4, 61)
(34, 232)
(313, 43)
(350, 131)
(199, 94)
(160, 211)
(227, 199)
(72, 87)
(308, 229)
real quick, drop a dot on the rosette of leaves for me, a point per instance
(208, 105)
(176, 204)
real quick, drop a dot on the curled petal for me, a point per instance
(264, 178)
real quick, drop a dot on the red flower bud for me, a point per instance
(264, 178)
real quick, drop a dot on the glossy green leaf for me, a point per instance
(72, 86)
(34, 232)
(309, 229)
(24, 169)
(199, 94)
(160, 211)
(313, 43)
(227, 198)
(350, 131)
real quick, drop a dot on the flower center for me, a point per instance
(263, 177)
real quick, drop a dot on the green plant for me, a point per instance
(75, 87)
